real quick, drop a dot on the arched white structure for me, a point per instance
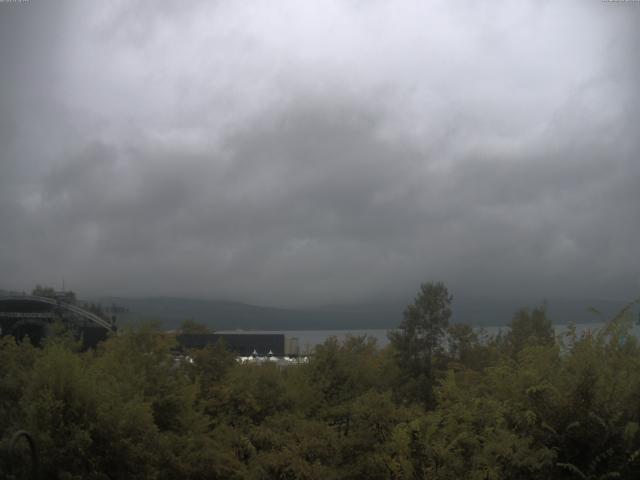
(60, 304)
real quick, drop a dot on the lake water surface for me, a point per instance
(307, 339)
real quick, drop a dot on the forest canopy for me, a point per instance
(441, 401)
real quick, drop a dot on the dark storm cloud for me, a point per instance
(306, 154)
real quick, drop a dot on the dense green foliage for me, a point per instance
(524, 405)
(419, 338)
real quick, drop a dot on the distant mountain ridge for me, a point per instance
(229, 315)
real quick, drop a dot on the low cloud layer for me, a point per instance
(296, 154)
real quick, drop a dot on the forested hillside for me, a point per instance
(225, 315)
(438, 403)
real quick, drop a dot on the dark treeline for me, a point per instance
(439, 403)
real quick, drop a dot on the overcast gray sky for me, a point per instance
(299, 153)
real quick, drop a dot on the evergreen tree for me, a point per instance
(419, 337)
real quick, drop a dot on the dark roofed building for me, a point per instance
(242, 344)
